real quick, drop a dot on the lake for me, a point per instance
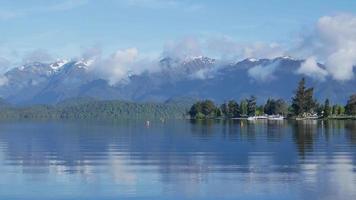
(178, 160)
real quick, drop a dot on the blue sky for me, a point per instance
(65, 28)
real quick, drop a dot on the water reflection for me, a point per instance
(179, 159)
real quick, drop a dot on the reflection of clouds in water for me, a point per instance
(329, 178)
(198, 160)
(343, 177)
(120, 170)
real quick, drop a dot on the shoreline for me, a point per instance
(286, 118)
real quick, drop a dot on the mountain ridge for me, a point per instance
(198, 77)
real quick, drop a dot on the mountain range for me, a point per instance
(195, 77)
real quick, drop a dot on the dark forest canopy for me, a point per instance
(84, 109)
(302, 104)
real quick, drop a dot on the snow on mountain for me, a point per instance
(252, 59)
(201, 77)
(84, 63)
(56, 66)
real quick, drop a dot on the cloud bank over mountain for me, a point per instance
(332, 42)
(311, 68)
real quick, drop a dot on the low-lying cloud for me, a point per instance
(119, 66)
(226, 48)
(183, 49)
(311, 68)
(263, 73)
(333, 42)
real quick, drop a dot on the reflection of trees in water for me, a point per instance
(168, 148)
(230, 128)
(304, 132)
(203, 128)
(272, 130)
(350, 131)
(276, 129)
(248, 130)
(68, 147)
(332, 127)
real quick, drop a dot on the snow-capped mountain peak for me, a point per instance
(84, 63)
(199, 76)
(58, 64)
(252, 59)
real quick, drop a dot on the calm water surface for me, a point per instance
(178, 160)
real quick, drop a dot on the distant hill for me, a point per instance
(193, 78)
(98, 110)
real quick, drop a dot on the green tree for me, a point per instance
(195, 109)
(259, 110)
(243, 108)
(270, 107)
(208, 108)
(327, 109)
(350, 107)
(251, 106)
(224, 109)
(230, 109)
(298, 101)
(335, 109)
(281, 107)
(203, 109)
(303, 100)
(273, 107)
(234, 110)
(341, 110)
(310, 102)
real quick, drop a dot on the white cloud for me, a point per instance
(263, 73)
(334, 42)
(92, 53)
(227, 48)
(182, 49)
(311, 68)
(117, 67)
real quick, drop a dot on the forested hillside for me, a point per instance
(97, 110)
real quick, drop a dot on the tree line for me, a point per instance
(302, 104)
(102, 110)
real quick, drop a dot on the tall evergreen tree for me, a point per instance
(303, 100)
(234, 110)
(251, 106)
(243, 108)
(208, 108)
(269, 107)
(273, 107)
(335, 109)
(281, 107)
(230, 109)
(327, 108)
(298, 101)
(310, 102)
(350, 107)
(224, 109)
